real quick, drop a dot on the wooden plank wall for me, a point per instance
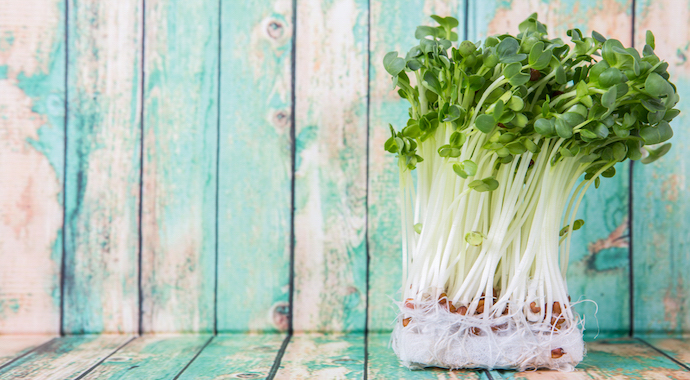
(222, 161)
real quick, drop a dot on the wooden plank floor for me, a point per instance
(301, 356)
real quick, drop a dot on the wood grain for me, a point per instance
(323, 356)
(32, 128)
(392, 29)
(383, 364)
(150, 357)
(330, 167)
(64, 358)
(661, 212)
(679, 349)
(611, 359)
(14, 346)
(599, 257)
(230, 356)
(179, 184)
(255, 166)
(103, 171)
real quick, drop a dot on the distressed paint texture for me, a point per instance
(235, 356)
(150, 357)
(323, 356)
(330, 174)
(32, 95)
(678, 349)
(103, 171)
(599, 256)
(383, 364)
(255, 166)
(14, 346)
(661, 212)
(611, 359)
(64, 358)
(392, 29)
(179, 184)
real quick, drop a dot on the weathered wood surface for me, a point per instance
(392, 29)
(180, 154)
(611, 359)
(150, 357)
(330, 169)
(383, 364)
(679, 349)
(102, 171)
(13, 346)
(255, 166)
(229, 356)
(599, 257)
(323, 356)
(661, 212)
(64, 358)
(32, 95)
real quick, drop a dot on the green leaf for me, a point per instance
(655, 154)
(545, 127)
(655, 135)
(418, 228)
(474, 238)
(563, 130)
(507, 51)
(649, 39)
(609, 98)
(560, 75)
(657, 86)
(485, 123)
(482, 185)
(393, 64)
(512, 69)
(457, 139)
(531, 146)
(431, 82)
(448, 22)
(424, 31)
(516, 147)
(597, 36)
(610, 77)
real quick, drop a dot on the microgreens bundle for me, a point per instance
(500, 137)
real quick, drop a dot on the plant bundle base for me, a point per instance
(436, 337)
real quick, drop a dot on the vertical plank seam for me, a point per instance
(194, 358)
(104, 359)
(467, 20)
(293, 154)
(141, 169)
(486, 371)
(279, 357)
(5, 365)
(631, 277)
(676, 361)
(64, 178)
(366, 198)
(215, 285)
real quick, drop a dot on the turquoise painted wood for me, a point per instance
(383, 364)
(330, 169)
(323, 356)
(14, 346)
(64, 358)
(392, 29)
(612, 359)
(103, 167)
(661, 212)
(599, 259)
(150, 357)
(678, 349)
(32, 134)
(180, 156)
(255, 166)
(235, 356)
